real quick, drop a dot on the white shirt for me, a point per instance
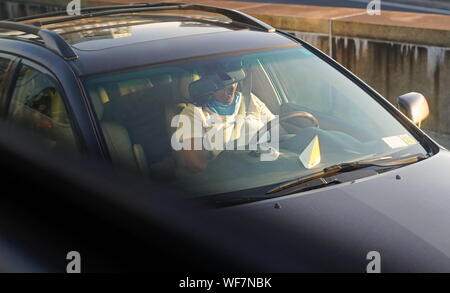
(216, 130)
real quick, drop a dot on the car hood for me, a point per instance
(405, 218)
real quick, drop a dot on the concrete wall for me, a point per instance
(394, 68)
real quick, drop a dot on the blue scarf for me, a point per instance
(224, 109)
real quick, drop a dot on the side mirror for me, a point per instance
(415, 106)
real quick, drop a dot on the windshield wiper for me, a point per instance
(224, 202)
(320, 179)
(350, 166)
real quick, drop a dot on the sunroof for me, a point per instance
(117, 35)
(103, 32)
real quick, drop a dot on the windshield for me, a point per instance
(239, 121)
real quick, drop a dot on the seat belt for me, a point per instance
(246, 91)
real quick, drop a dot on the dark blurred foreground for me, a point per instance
(55, 203)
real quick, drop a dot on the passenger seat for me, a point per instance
(121, 149)
(180, 97)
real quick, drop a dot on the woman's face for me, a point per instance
(226, 95)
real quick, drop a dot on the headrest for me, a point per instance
(181, 82)
(214, 82)
(99, 98)
(162, 79)
(134, 85)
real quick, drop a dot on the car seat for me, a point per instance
(122, 150)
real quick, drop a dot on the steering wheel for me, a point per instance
(299, 114)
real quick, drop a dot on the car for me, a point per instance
(243, 118)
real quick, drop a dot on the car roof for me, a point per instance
(135, 38)
(127, 29)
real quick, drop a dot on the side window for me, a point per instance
(4, 63)
(37, 105)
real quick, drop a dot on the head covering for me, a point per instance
(202, 89)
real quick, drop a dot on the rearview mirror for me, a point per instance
(415, 106)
